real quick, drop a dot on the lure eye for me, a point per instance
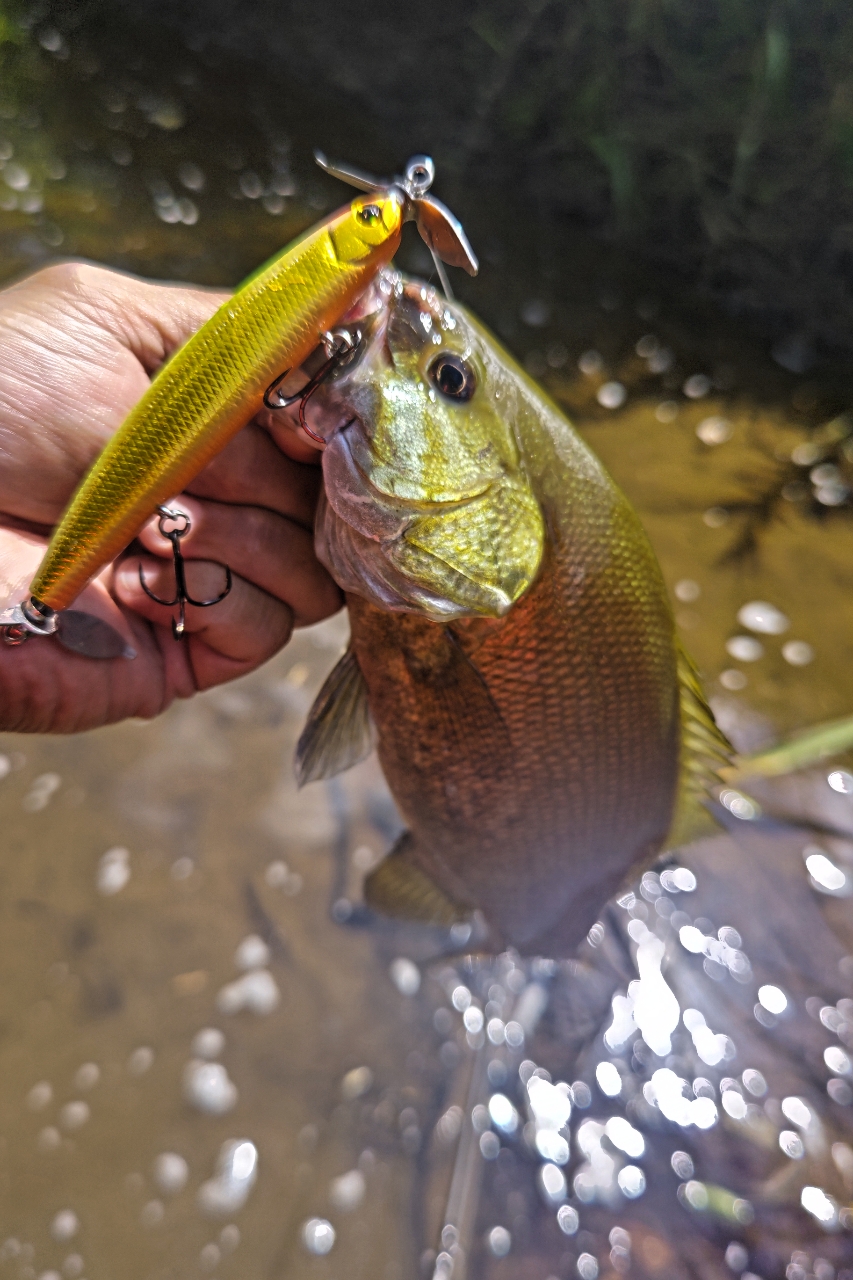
(370, 213)
(453, 377)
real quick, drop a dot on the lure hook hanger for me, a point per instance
(182, 525)
(340, 345)
(440, 230)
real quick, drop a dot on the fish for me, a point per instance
(513, 653)
(221, 377)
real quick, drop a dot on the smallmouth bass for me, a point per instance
(512, 640)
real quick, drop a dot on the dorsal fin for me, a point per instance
(338, 732)
(705, 750)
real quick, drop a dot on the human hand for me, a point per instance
(78, 345)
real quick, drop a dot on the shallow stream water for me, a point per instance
(180, 985)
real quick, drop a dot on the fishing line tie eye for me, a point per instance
(340, 346)
(181, 525)
(420, 175)
(454, 378)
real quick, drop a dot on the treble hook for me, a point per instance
(340, 344)
(182, 524)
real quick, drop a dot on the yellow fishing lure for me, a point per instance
(219, 379)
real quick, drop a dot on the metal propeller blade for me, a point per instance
(349, 174)
(443, 233)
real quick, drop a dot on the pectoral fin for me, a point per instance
(398, 888)
(338, 732)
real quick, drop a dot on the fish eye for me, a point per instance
(369, 213)
(453, 377)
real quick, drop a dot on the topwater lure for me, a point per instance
(226, 373)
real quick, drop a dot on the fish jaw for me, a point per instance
(468, 556)
(485, 554)
(404, 573)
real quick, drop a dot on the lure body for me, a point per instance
(214, 385)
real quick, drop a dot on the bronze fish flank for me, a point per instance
(511, 635)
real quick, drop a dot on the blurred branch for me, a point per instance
(771, 69)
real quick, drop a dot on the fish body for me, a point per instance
(510, 626)
(215, 384)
